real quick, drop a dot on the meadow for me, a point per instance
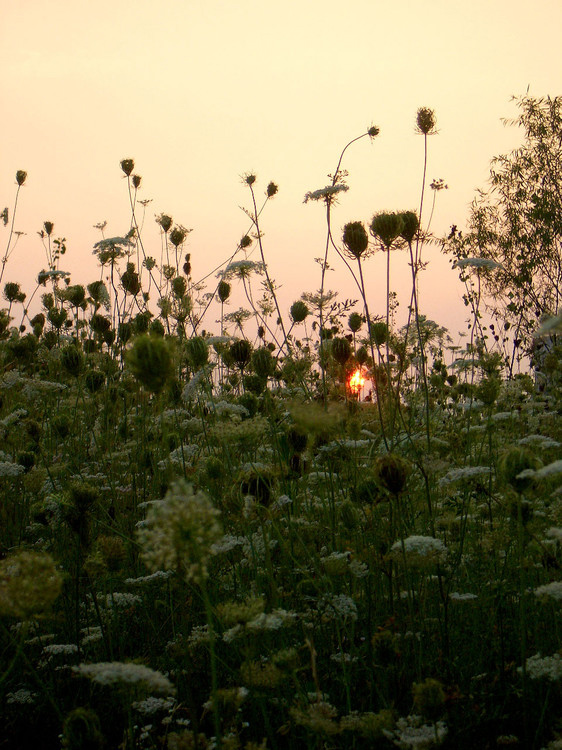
(302, 528)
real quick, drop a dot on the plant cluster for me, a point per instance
(226, 540)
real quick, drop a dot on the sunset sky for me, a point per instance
(200, 92)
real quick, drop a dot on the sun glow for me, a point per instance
(356, 381)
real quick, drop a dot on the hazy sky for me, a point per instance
(200, 92)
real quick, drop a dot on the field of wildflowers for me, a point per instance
(222, 540)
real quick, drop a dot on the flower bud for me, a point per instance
(355, 238)
(223, 291)
(410, 225)
(387, 227)
(299, 311)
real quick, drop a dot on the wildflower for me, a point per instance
(327, 194)
(8, 469)
(116, 672)
(242, 269)
(464, 474)
(411, 734)
(319, 717)
(547, 667)
(180, 531)
(486, 263)
(454, 596)
(439, 185)
(419, 549)
(153, 705)
(29, 584)
(550, 470)
(21, 696)
(550, 590)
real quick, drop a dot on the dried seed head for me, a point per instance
(425, 121)
(136, 181)
(127, 165)
(373, 131)
(21, 176)
(272, 189)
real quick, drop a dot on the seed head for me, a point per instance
(272, 189)
(387, 226)
(165, 222)
(299, 311)
(136, 181)
(411, 224)
(355, 238)
(425, 121)
(223, 291)
(373, 131)
(127, 165)
(21, 177)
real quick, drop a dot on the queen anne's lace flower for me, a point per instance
(180, 531)
(117, 672)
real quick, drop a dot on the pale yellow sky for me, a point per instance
(199, 92)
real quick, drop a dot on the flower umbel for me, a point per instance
(179, 532)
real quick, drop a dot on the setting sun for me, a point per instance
(356, 381)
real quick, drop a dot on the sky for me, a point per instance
(202, 92)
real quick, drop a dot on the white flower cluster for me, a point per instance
(539, 441)
(549, 667)
(464, 474)
(153, 705)
(412, 734)
(455, 596)
(242, 269)
(486, 263)
(225, 409)
(420, 547)
(180, 531)
(118, 672)
(327, 193)
(8, 469)
(550, 590)
(21, 696)
(157, 577)
(337, 607)
(551, 470)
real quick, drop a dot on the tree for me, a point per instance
(517, 224)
